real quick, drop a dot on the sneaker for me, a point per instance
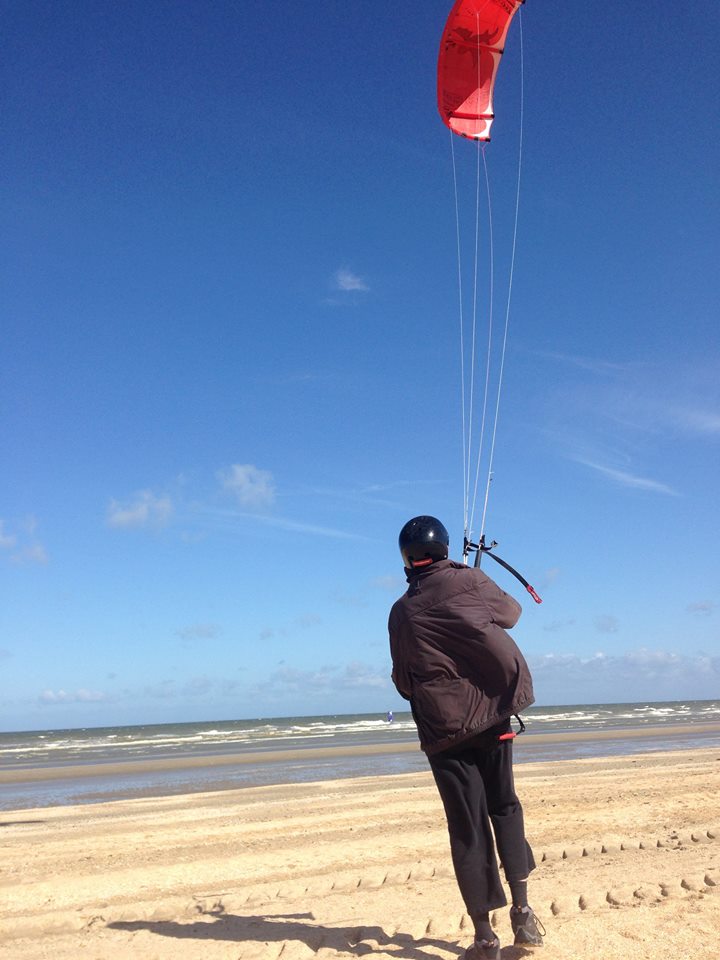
(483, 950)
(526, 926)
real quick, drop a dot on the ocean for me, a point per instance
(49, 767)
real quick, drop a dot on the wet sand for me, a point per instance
(628, 852)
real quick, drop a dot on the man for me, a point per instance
(465, 678)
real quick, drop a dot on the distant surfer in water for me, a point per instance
(465, 678)
(390, 717)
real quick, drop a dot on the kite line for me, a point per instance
(470, 53)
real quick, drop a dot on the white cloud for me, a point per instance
(348, 281)
(199, 631)
(77, 696)
(33, 553)
(252, 487)
(327, 680)
(359, 675)
(698, 420)
(556, 625)
(389, 582)
(161, 690)
(642, 662)
(549, 577)
(703, 607)
(605, 623)
(354, 601)
(200, 687)
(30, 524)
(626, 677)
(7, 540)
(23, 547)
(145, 510)
(305, 621)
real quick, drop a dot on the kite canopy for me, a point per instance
(470, 50)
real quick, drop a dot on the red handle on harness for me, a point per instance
(511, 734)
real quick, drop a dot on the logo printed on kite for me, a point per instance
(472, 40)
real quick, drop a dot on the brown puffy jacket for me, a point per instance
(452, 658)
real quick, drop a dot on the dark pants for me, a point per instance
(476, 786)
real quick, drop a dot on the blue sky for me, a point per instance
(230, 366)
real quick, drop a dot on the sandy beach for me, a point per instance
(628, 852)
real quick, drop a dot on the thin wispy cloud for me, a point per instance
(626, 479)
(592, 364)
(145, 509)
(390, 485)
(352, 495)
(638, 408)
(349, 282)
(369, 493)
(625, 420)
(285, 523)
(252, 487)
(647, 395)
(295, 526)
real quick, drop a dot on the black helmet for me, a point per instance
(422, 540)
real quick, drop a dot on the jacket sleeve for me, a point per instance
(397, 672)
(505, 609)
(398, 686)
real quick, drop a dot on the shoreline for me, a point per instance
(526, 742)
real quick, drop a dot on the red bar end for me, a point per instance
(533, 594)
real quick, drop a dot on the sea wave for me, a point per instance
(88, 745)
